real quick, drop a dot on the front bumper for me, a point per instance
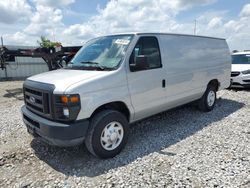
(54, 133)
(241, 81)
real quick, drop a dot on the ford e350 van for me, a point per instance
(119, 79)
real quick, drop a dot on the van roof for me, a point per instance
(179, 34)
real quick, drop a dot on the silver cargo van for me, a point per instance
(118, 79)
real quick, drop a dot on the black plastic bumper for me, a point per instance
(55, 133)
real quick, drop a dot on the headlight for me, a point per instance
(246, 72)
(67, 107)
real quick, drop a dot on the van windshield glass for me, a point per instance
(103, 53)
(241, 59)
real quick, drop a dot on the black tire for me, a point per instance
(203, 102)
(97, 125)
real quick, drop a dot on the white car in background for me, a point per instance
(240, 74)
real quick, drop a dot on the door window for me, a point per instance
(146, 55)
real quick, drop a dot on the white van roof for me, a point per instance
(154, 33)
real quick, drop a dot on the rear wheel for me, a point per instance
(208, 100)
(107, 134)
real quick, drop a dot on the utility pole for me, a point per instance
(195, 23)
(53, 35)
(2, 41)
(2, 63)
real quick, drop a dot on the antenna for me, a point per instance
(195, 23)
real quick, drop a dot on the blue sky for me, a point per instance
(232, 6)
(72, 22)
(84, 12)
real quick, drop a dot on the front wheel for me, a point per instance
(107, 134)
(208, 100)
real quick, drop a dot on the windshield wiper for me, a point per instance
(98, 66)
(89, 62)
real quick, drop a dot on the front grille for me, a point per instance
(38, 98)
(234, 74)
(37, 101)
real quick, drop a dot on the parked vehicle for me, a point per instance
(240, 75)
(119, 79)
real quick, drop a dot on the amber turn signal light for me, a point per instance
(72, 99)
(64, 99)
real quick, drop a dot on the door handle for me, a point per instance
(163, 83)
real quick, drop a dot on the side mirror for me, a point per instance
(140, 63)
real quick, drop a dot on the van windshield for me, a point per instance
(103, 53)
(241, 59)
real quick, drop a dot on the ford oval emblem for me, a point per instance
(32, 99)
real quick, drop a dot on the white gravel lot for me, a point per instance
(182, 147)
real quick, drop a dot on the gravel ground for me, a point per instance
(182, 147)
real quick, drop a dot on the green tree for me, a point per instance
(46, 43)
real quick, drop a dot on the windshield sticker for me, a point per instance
(122, 41)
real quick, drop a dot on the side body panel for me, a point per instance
(191, 62)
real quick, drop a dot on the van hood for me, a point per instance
(240, 67)
(64, 78)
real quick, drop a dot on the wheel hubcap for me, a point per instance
(211, 98)
(112, 135)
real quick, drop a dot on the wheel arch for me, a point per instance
(116, 105)
(214, 83)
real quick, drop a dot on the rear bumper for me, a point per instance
(55, 133)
